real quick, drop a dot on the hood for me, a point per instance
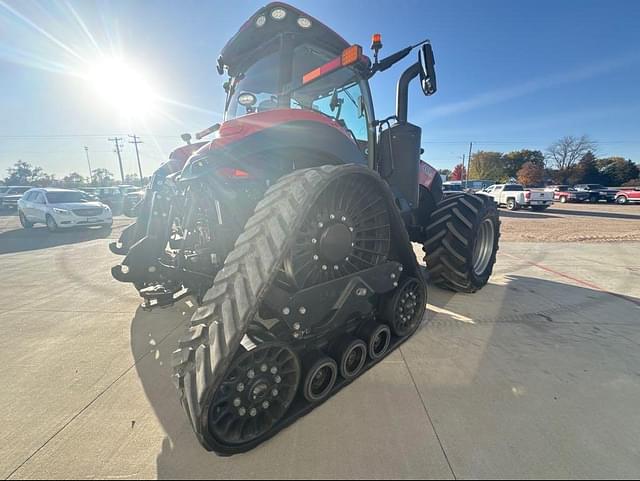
(78, 205)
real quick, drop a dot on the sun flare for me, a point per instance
(122, 86)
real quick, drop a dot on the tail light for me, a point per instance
(233, 173)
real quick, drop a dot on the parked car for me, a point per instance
(597, 192)
(628, 194)
(61, 209)
(131, 201)
(9, 195)
(565, 193)
(515, 196)
(111, 196)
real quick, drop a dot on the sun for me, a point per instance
(122, 86)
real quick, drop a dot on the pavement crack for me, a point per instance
(426, 410)
(90, 403)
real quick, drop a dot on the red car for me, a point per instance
(628, 194)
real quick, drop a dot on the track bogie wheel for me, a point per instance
(378, 338)
(405, 308)
(320, 377)
(351, 355)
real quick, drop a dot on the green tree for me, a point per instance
(586, 171)
(513, 161)
(23, 173)
(445, 172)
(487, 166)
(73, 178)
(617, 170)
(102, 177)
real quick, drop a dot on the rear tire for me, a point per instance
(622, 200)
(23, 220)
(462, 242)
(563, 199)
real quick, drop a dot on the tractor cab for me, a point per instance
(283, 59)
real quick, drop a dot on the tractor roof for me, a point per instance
(251, 37)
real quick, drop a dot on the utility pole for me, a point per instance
(468, 163)
(116, 140)
(136, 140)
(86, 151)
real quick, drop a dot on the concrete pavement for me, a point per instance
(536, 376)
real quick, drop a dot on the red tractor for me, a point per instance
(293, 229)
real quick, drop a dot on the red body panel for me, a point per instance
(426, 175)
(237, 129)
(630, 193)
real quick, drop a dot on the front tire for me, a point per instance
(563, 199)
(622, 200)
(51, 224)
(512, 205)
(462, 242)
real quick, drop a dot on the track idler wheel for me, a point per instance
(320, 377)
(378, 337)
(405, 309)
(352, 356)
(255, 394)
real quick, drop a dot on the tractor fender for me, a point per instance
(278, 149)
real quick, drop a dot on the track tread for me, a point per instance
(218, 326)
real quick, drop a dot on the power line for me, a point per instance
(86, 151)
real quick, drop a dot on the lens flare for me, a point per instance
(122, 86)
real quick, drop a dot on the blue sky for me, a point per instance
(511, 75)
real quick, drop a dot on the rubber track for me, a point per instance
(449, 246)
(218, 326)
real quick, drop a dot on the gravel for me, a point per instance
(573, 223)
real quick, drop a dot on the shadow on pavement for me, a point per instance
(21, 240)
(591, 213)
(526, 215)
(8, 213)
(182, 456)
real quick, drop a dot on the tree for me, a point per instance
(531, 174)
(459, 172)
(566, 152)
(23, 173)
(513, 161)
(132, 179)
(487, 166)
(102, 177)
(586, 171)
(617, 170)
(73, 178)
(445, 172)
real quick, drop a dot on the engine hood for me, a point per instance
(78, 205)
(236, 129)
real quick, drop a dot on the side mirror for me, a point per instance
(186, 138)
(427, 69)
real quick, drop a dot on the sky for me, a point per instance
(511, 74)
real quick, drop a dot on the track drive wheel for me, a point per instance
(462, 242)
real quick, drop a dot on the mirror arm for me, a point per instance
(402, 92)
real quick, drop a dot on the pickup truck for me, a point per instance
(628, 194)
(597, 192)
(515, 196)
(564, 194)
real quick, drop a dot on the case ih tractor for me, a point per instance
(293, 229)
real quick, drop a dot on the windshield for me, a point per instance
(67, 197)
(337, 95)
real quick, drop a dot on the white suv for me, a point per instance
(61, 208)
